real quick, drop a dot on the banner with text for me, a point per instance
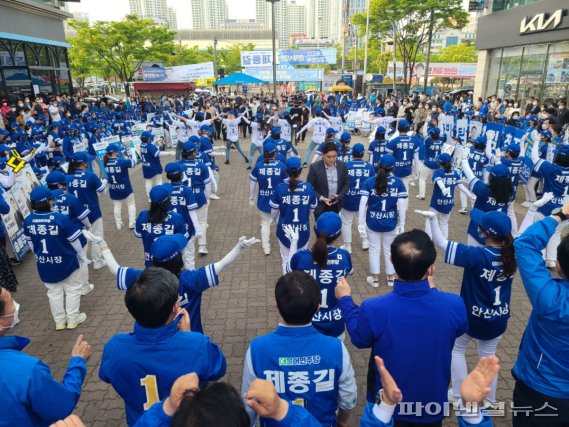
(308, 56)
(181, 73)
(287, 75)
(457, 70)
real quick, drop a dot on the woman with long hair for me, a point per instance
(120, 188)
(151, 166)
(486, 286)
(376, 149)
(292, 203)
(494, 196)
(382, 210)
(327, 264)
(158, 221)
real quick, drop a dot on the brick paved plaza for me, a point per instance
(241, 308)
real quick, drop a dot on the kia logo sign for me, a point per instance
(542, 22)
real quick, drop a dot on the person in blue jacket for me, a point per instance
(142, 365)
(541, 370)
(308, 368)
(29, 395)
(120, 188)
(402, 324)
(486, 287)
(326, 264)
(358, 171)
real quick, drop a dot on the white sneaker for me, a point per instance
(214, 196)
(88, 289)
(412, 183)
(120, 225)
(390, 282)
(89, 261)
(80, 319)
(373, 283)
(526, 204)
(267, 250)
(131, 225)
(551, 264)
(347, 248)
(60, 326)
(365, 244)
(420, 197)
(462, 211)
(203, 250)
(99, 265)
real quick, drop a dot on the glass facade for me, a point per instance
(540, 70)
(28, 69)
(509, 4)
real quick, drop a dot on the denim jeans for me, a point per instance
(311, 147)
(228, 144)
(252, 150)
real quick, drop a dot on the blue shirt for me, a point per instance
(358, 172)
(119, 181)
(32, 397)
(376, 151)
(148, 232)
(206, 146)
(486, 293)
(294, 207)
(51, 234)
(192, 284)
(477, 161)
(69, 205)
(486, 203)
(268, 176)
(403, 149)
(283, 147)
(543, 358)
(142, 365)
(433, 148)
(347, 157)
(382, 213)
(150, 155)
(328, 319)
(196, 176)
(182, 201)
(85, 185)
(556, 181)
(440, 202)
(399, 326)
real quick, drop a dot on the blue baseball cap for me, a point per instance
(113, 148)
(533, 117)
(82, 157)
(41, 194)
(546, 133)
(189, 146)
(317, 111)
(269, 147)
(173, 168)
(330, 131)
(329, 223)
(481, 139)
(403, 124)
(293, 164)
(147, 135)
(56, 177)
(500, 171)
(276, 130)
(358, 149)
(166, 248)
(436, 131)
(38, 171)
(445, 158)
(380, 129)
(513, 148)
(563, 149)
(258, 116)
(160, 193)
(4, 147)
(345, 137)
(387, 160)
(195, 139)
(205, 127)
(494, 222)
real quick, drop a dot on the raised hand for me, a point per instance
(391, 393)
(476, 385)
(247, 243)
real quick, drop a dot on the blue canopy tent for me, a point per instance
(239, 79)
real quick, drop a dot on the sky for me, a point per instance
(115, 10)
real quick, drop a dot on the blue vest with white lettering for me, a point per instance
(439, 201)
(150, 155)
(196, 176)
(403, 149)
(486, 203)
(268, 176)
(556, 181)
(382, 212)
(119, 181)
(358, 172)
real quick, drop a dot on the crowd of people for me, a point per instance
(301, 373)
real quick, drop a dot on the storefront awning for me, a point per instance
(22, 38)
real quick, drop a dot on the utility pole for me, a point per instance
(366, 48)
(394, 60)
(274, 46)
(215, 57)
(428, 61)
(345, 11)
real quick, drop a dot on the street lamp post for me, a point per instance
(274, 46)
(366, 48)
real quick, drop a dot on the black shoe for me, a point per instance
(246, 160)
(304, 165)
(249, 168)
(15, 261)
(227, 162)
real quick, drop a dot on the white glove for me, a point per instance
(98, 240)
(251, 201)
(105, 182)
(426, 214)
(171, 153)
(291, 232)
(446, 192)
(247, 243)
(362, 229)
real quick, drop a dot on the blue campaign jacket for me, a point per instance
(143, 365)
(399, 327)
(543, 360)
(30, 396)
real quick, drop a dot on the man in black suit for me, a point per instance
(330, 180)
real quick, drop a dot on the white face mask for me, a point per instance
(16, 318)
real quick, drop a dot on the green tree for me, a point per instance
(408, 23)
(457, 53)
(82, 64)
(122, 46)
(230, 58)
(182, 55)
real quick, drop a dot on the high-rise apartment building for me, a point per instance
(324, 19)
(208, 14)
(263, 14)
(296, 14)
(154, 9)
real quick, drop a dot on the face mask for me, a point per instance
(16, 318)
(545, 126)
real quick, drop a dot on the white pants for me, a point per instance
(443, 223)
(265, 230)
(513, 219)
(464, 200)
(152, 182)
(424, 176)
(202, 219)
(97, 230)
(215, 181)
(117, 209)
(459, 370)
(406, 180)
(551, 249)
(347, 220)
(285, 253)
(376, 242)
(85, 270)
(189, 255)
(529, 189)
(65, 298)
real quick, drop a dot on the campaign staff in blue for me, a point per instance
(477, 160)
(486, 287)
(267, 175)
(151, 167)
(54, 240)
(377, 148)
(292, 203)
(358, 172)
(433, 146)
(383, 210)
(120, 188)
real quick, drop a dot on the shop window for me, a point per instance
(45, 57)
(494, 72)
(533, 67)
(41, 81)
(20, 55)
(557, 73)
(509, 73)
(62, 58)
(31, 55)
(5, 56)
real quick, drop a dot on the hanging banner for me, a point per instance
(308, 57)
(287, 75)
(459, 70)
(462, 130)
(261, 58)
(181, 73)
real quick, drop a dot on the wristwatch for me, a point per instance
(558, 212)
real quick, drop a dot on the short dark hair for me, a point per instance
(297, 295)
(412, 253)
(563, 255)
(41, 206)
(329, 146)
(174, 266)
(152, 296)
(218, 405)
